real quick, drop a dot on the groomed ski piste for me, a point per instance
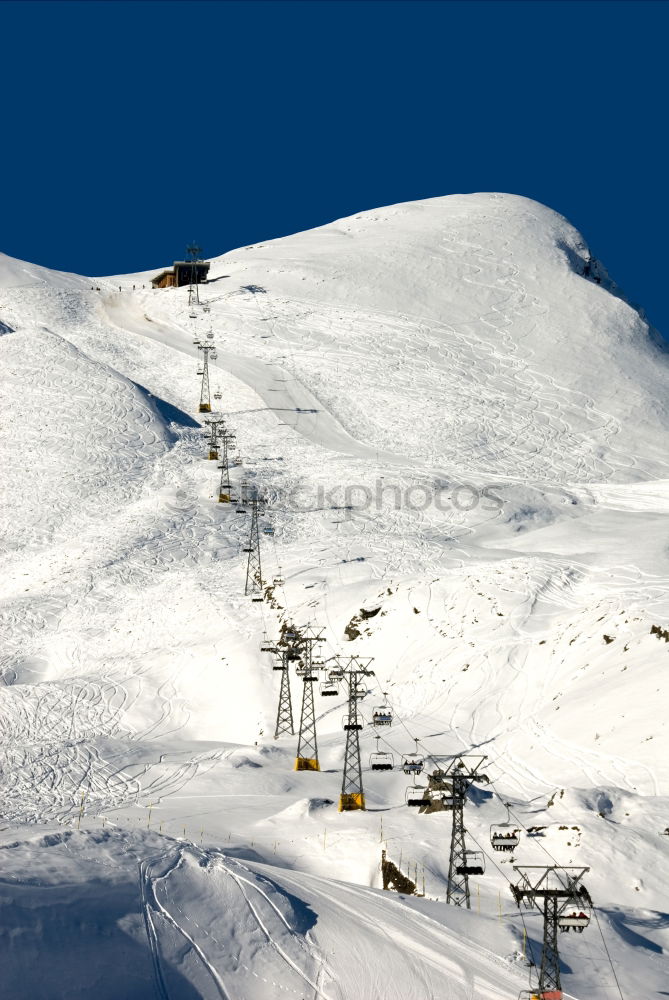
(459, 429)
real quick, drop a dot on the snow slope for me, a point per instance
(452, 425)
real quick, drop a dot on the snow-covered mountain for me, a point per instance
(460, 427)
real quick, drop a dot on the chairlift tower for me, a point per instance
(193, 255)
(226, 439)
(352, 795)
(461, 772)
(215, 425)
(553, 889)
(285, 652)
(284, 714)
(306, 758)
(205, 394)
(254, 581)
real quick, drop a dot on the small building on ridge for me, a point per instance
(181, 273)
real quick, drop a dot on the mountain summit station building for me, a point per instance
(181, 273)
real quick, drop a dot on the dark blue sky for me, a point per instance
(130, 128)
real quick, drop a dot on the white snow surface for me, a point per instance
(453, 428)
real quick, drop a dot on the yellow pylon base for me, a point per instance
(306, 764)
(204, 408)
(224, 498)
(356, 800)
(213, 455)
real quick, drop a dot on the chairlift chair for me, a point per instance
(210, 336)
(192, 314)
(573, 921)
(504, 836)
(361, 691)
(413, 763)
(348, 726)
(329, 689)
(218, 394)
(474, 864)
(416, 795)
(256, 599)
(382, 716)
(336, 674)
(268, 530)
(381, 760)
(214, 355)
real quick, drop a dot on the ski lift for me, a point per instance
(278, 581)
(200, 371)
(361, 691)
(543, 995)
(214, 355)
(218, 394)
(504, 836)
(474, 864)
(416, 795)
(257, 598)
(192, 314)
(382, 715)
(381, 760)
(268, 530)
(348, 726)
(448, 798)
(413, 763)
(196, 341)
(329, 689)
(210, 336)
(336, 674)
(573, 920)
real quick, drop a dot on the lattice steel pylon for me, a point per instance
(254, 581)
(553, 889)
(284, 654)
(226, 438)
(304, 641)
(205, 393)
(352, 793)
(284, 715)
(460, 773)
(193, 255)
(215, 425)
